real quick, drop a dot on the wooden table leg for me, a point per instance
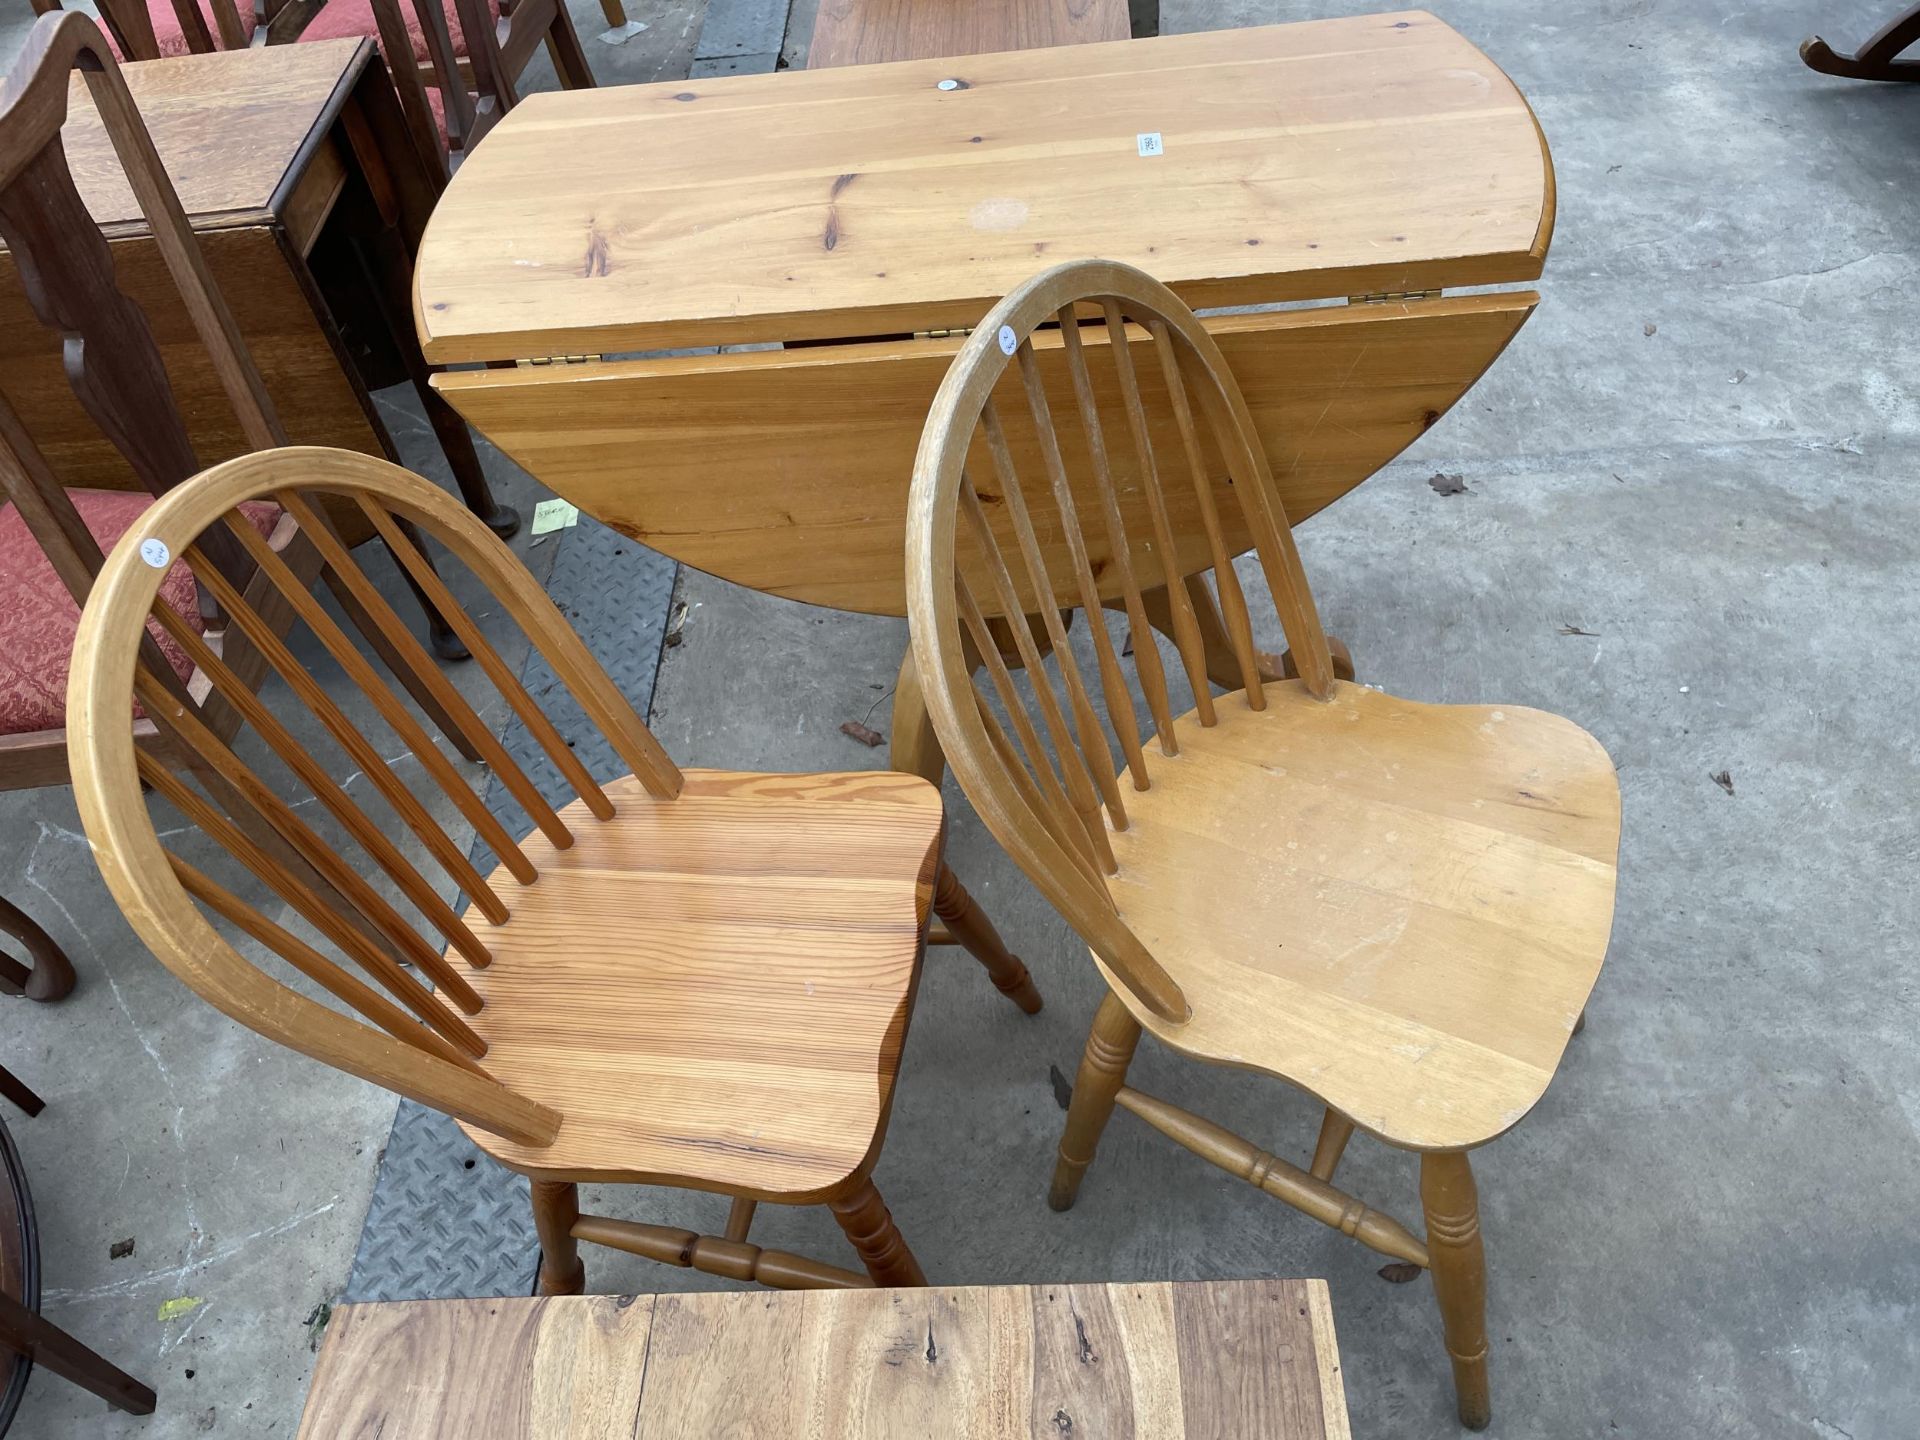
(1223, 669)
(51, 975)
(913, 747)
(16, 1090)
(25, 1333)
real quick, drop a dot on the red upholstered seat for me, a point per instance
(340, 18)
(38, 618)
(166, 25)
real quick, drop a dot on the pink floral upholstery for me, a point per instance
(341, 18)
(38, 618)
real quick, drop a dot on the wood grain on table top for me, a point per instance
(1226, 1360)
(1305, 160)
(229, 127)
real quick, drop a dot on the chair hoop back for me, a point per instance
(418, 1043)
(1140, 494)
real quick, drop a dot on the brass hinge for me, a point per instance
(1381, 297)
(558, 360)
(953, 333)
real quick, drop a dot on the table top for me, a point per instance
(1320, 159)
(232, 129)
(1223, 1358)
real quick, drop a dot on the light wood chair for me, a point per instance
(1397, 907)
(700, 979)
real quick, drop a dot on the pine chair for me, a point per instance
(1397, 907)
(699, 979)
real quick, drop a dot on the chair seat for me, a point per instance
(345, 19)
(1399, 907)
(714, 991)
(38, 618)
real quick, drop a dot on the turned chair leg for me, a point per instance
(863, 1216)
(51, 975)
(1459, 1266)
(1103, 1070)
(556, 1206)
(969, 925)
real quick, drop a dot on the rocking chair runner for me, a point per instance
(1878, 59)
(1400, 908)
(696, 978)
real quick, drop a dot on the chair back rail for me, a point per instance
(396, 1028)
(987, 543)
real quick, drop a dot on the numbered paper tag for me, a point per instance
(156, 554)
(1009, 342)
(1150, 144)
(551, 515)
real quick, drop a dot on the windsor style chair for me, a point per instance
(699, 978)
(1398, 907)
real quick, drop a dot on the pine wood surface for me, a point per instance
(1400, 907)
(1382, 153)
(863, 32)
(816, 444)
(714, 991)
(1171, 1361)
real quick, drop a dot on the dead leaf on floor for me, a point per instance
(316, 1323)
(861, 733)
(1724, 779)
(1576, 630)
(1651, 329)
(1448, 484)
(1400, 1272)
(675, 623)
(1736, 377)
(120, 1249)
(180, 1305)
(1062, 1091)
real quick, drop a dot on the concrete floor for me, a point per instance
(1707, 1227)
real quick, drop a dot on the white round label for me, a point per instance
(156, 554)
(1008, 341)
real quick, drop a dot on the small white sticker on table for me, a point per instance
(156, 554)
(1150, 144)
(1009, 342)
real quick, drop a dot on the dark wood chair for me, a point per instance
(467, 55)
(52, 539)
(26, 1339)
(1878, 59)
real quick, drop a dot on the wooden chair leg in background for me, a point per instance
(14, 1089)
(50, 1347)
(556, 1207)
(968, 926)
(50, 977)
(1103, 1070)
(1458, 1264)
(863, 1216)
(563, 48)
